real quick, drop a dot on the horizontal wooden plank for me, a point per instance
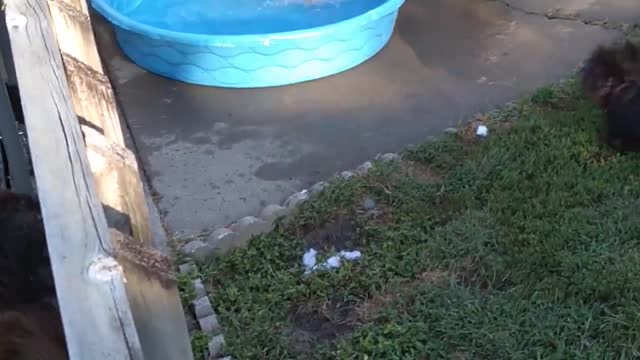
(72, 23)
(119, 186)
(93, 98)
(118, 182)
(97, 318)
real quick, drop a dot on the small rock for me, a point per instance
(218, 235)
(318, 187)
(365, 167)
(225, 358)
(245, 221)
(369, 204)
(272, 212)
(199, 289)
(390, 157)
(451, 131)
(210, 325)
(198, 250)
(216, 345)
(221, 240)
(186, 268)
(192, 324)
(202, 307)
(347, 175)
(296, 199)
(248, 227)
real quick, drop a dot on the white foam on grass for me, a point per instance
(310, 262)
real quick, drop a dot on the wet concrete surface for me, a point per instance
(215, 155)
(622, 11)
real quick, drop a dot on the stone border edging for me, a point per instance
(237, 235)
(205, 316)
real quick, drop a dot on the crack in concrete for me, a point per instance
(560, 14)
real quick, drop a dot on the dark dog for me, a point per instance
(608, 68)
(611, 79)
(32, 332)
(23, 252)
(29, 329)
(622, 118)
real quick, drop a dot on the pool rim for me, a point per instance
(126, 23)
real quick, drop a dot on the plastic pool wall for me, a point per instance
(255, 61)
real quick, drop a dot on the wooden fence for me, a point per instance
(118, 297)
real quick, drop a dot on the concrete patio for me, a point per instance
(214, 155)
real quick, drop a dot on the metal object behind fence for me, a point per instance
(16, 162)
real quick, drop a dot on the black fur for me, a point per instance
(22, 251)
(32, 332)
(608, 68)
(622, 125)
(29, 328)
(611, 79)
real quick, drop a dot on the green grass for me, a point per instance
(524, 245)
(200, 345)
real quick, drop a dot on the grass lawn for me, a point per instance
(523, 245)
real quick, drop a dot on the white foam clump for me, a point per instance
(309, 258)
(482, 131)
(334, 262)
(351, 255)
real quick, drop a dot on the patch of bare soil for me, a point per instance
(468, 131)
(339, 234)
(457, 355)
(321, 324)
(371, 307)
(419, 171)
(468, 274)
(471, 274)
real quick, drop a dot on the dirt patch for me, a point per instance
(433, 277)
(457, 355)
(325, 323)
(468, 131)
(337, 235)
(370, 308)
(380, 214)
(321, 324)
(419, 171)
(470, 274)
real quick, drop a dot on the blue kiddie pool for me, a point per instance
(250, 43)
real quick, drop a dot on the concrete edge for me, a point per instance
(238, 234)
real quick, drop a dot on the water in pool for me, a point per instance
(238, 17)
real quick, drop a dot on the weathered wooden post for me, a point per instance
(89, 282)
(117, 295)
